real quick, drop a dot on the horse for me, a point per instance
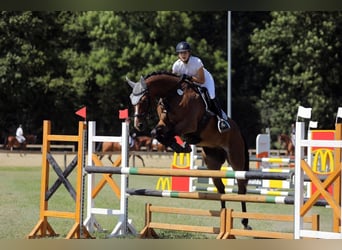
(12, 142)
(116, 147)
(289, 146)
(182, 111)
(143, 141)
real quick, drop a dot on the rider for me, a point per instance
(192, 68)
(20, 134)
(293, 133)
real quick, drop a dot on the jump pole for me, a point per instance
(123, 226)
(242, 175)
(288, 200)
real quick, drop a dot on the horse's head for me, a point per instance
(140, 99)
(177, 114)
(31, 139)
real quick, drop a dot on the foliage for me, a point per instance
(302, 54)
(53, 63)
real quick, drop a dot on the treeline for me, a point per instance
(53, 63)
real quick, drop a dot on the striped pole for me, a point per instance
(272, 160)
(262, 191)
(289, 200)
(240, 175)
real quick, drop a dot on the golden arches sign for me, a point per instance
(163, 183)
(323, 158)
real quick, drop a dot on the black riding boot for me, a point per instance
(222, 123)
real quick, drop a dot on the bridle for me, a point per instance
(145, 93)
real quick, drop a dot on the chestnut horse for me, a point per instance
(143, 141)
(110, 147)
(12, 142)
(289, 147)
(182, 112)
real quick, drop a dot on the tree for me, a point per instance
(302, 54)
(133, 44)
(30, 44)
(248, 77)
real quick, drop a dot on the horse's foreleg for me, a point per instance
(167, 137)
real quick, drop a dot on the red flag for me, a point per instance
(82, 112)
(123, 114)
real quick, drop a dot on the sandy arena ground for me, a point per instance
(32, 159)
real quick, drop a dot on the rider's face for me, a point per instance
(184, 56)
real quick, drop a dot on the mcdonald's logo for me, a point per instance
(323, 162)
(163, 184)
(181, 160)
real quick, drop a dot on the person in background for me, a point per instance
(191, 68)
(19, 134)
(293, 134)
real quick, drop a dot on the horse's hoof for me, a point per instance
(248, 227)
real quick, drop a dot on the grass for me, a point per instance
(20, 197)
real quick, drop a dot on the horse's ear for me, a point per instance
(142, 81)
(130, 83)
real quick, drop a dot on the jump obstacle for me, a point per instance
(120, 170)
(226, 217)
(189, 184)
(123, 226)
(221, 231)
(43, 227)
(299, 199)
(128, 171)
(333, 178)
(262, 158)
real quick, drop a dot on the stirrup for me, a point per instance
(222, 125)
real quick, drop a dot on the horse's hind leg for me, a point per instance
(242, 189)
(239, 160)
(214, 158)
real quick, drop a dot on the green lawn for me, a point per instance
(20, 197)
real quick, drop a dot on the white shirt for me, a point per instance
(19, 132)
(20, 135)
(190, 68)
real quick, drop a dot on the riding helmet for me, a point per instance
(183, 46)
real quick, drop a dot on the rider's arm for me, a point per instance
(199, 77)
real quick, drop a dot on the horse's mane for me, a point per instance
(155, 73)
